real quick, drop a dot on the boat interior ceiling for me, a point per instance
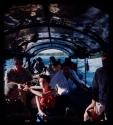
(78, 31)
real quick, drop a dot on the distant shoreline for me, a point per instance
(51, 54)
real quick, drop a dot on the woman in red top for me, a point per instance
(46, 99)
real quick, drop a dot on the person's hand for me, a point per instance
(91, 115)
(41, 113)
(26, 88)
(84, 87)
(86, 115)
(20, 86)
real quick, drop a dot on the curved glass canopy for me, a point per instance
(33, 28)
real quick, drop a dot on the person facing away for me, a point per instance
(98, 105)
(39, 66)
(19, 75)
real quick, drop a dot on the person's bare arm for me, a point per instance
(36, 87)
(92, 105)
(40, 112)
(21, 87)
(37, 93)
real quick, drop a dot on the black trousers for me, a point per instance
(61, 103)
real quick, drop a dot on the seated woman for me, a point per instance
(45, 99)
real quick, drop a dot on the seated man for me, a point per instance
(15, 111)
(65, 80)
(65, 85)
(19, 75)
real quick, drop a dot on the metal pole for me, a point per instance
(85, 71)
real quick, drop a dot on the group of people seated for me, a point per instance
(49, 96)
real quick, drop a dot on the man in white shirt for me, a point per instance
(64, 81)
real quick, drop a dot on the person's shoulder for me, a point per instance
(56, 76)
(59, 73)
(99, 69)
(11, 70)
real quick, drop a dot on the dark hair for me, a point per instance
(39, 59)
(56, 63)
(53, 59)
(68, 60)
(47, 78)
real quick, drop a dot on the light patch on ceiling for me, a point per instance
(51, 51)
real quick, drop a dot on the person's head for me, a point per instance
(105, 60)
(11, 91)
(68, 60)
(65, 68)
(56, 66)
(52, 59)
(34, 61)
(39, 59)
(18, 62)
(44, 81)
(59, 60)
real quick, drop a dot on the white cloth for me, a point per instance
(60, 82)
(99, 108)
